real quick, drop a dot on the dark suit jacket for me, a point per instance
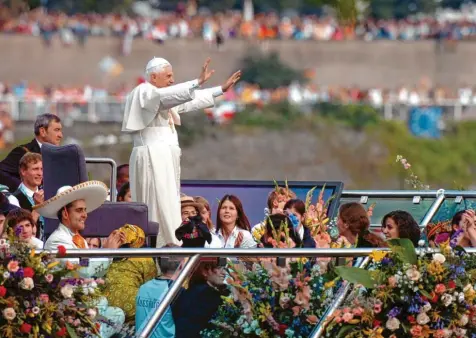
(9, 171)
(23, 200)
(307, 241)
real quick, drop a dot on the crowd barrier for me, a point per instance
(110, 109)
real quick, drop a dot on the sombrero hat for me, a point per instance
(94, 193)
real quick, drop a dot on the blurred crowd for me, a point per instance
(188, 22)
(420, 94)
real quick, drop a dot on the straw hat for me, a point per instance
(186, 201)
(94, 193)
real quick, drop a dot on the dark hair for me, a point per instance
(355, 216)
(60, 212)
(16, 216)
(126, 187)
(406, 224)
(276, 221)
(457, 217)
(297, 204)
(43, 121)
(198, 276)
(242, 221)
(119, 169)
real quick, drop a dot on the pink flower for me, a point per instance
(49, 278)
(347, 317)
(13, 266)
(392, 281)
(440, 289)
(377, 307)
(416, 331)
(358, 311)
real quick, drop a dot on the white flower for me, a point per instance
(460, 332)
(27, 283)
(447, 299)
(9, 313)
(426, 307)
(422, 318)
(6, 275)
(421, 243)
(67, 291)
(439, 258)
(413, 274)
(461, 297)
(92, 313)
(463, 320)
(35, 310)
(392, 324)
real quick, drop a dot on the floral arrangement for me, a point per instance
(37, 299)
(270, 301)
(317, 219)
(408, 295)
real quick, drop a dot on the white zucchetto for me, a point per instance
(156, 62)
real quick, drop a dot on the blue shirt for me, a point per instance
(148, 299)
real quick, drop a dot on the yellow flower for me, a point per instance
(374, 333)
(32, 253)
(329, 285)
(377, 256)
(52, 265)
(302, 260)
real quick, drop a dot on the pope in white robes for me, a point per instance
(151, 112)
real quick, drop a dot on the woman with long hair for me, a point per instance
(353, 223)
(233, 227)
(400, 224)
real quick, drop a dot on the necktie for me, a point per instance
(79, 241)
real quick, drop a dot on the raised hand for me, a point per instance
(231, 81)
(205, 74)
(39, 197)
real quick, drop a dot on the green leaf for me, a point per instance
(405, 250)
(345, 330)
(71, 331)
(426, 294)
(359, 276)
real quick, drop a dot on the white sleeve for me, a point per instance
(146, 100)
(248, 241)
(204, 98)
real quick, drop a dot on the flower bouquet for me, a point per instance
(272, 301)
(408, 295)
(38, 300)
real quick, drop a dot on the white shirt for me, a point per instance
(37, 243)
(39, 143)
(215, 243)
(27, 190)
(247, 242)
(64, 236)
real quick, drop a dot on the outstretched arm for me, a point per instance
(206, 98)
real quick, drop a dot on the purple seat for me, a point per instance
(66, 165)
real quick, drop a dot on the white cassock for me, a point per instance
(151, 114)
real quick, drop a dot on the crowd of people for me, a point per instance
(134, 286)
(418, 94)
(189, 22)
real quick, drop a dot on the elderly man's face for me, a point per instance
(53, 134)
(163, 78)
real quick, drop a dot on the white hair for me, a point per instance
(156, 65)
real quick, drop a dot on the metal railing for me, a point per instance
(197, 253)
(113, 179)
(111, 109)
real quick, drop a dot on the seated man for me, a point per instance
(71, 206)
(47, 129)
(29, 192)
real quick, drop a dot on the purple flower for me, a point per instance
(18, 230)
(394, 312)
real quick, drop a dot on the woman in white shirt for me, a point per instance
(22, 223)
(233, 227)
